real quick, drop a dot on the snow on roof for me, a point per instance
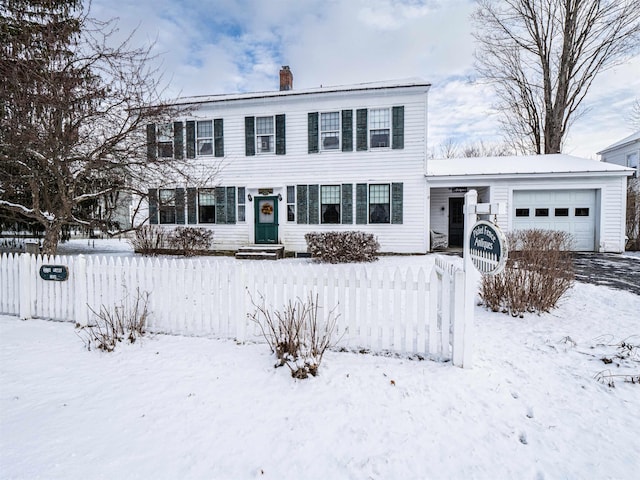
(389, 84)
(519, 165)
(634, 137)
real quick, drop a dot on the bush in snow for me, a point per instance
(538, 272)
(296, 335)
(342, 247)
(148, 240)
(189, 240)
(110, 326)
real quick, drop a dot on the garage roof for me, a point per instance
(555, 164)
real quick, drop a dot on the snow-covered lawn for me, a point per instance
(195, 408)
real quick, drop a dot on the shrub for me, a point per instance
(296, 335)
(189, 240)
(148, 240)
(125, 322)
(538, 272)
(342, 247)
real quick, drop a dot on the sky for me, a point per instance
(230, 46)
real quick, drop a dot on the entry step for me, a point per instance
(260, 252)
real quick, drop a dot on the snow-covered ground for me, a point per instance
(193, 408)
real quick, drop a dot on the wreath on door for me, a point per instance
(267, 209)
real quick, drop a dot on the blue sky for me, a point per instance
(227, 46)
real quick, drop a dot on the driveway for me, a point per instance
(609, 269)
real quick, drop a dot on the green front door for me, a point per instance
(266, 219)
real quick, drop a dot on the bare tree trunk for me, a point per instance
(51, 238)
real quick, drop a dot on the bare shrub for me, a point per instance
(110, 326)
(342, 247)
(538, 272)
(296, 335)
(190, 240)
(148, 240)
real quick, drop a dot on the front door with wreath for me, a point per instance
(266, 215)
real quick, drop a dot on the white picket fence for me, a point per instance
(378, 308)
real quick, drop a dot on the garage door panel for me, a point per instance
(571, 211)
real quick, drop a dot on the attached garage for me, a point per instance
(584, 197)
(571, 211)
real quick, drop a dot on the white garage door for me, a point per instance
(572, 211)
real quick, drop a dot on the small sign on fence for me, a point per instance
(487, 248)
(59, 273)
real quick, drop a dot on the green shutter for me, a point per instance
(192, 206)
(178, 140)
(231, 205)
(397, 128)
(221, 211)
(361, 203)
(301, 204)
(180, 206)
(281, 140)
(347, 203)
(347, 131)
(314, 207)
(361, 129)
(249, 136)
(152, 150)
(218, 137)
(396, 202)
(312, 132)
(191, 139)
(153, 206)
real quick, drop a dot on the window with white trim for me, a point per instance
(165, 140)
(379, 204)
(379, 127)
(206, 205)
(291, 203)
(167, 205)
(204, 137)
(632, 160)
(265, 134)
(241, 204)
(330, 130)
(330, 203)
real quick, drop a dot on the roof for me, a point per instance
(520, 165)
(383, 85)
(634, 137)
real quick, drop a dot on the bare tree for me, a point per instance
(73, 112)
(634, 118)
(543, 55)
(452, 149)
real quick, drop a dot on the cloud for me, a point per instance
(226, 46)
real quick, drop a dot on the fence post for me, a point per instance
(26, 287)
(81, 307)
(470, 218)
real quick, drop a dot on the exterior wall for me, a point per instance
(298, 167)
(619, 155)
(439, 198)
(610, 201)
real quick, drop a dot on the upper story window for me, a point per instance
(265, 132)
(330, 130)
(204, 137)
(165, 140)
(379, 128)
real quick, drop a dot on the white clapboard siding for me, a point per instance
(374, 308)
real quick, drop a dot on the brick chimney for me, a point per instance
(286, 78)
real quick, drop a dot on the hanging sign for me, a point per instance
(488, 248)
(58, 273)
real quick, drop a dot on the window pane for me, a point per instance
(379, 194)
(291, 213)
(291, 194)
(264, 125)
(582, 212)
(206, 196)
(379, 138)
(165, 132)
(379, 118)
(522, 212)
(205, 129)
(241, 213)
(330, 194)
(379, 207)
(265, 144)
(562, 212)
(241, 196)
(167, 197)
(205, 147)
(330, 141)
(329, 121)
(632, 160)
(542, 212)
(165, 149)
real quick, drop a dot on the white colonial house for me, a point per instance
(288, 162)
(625, 152)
